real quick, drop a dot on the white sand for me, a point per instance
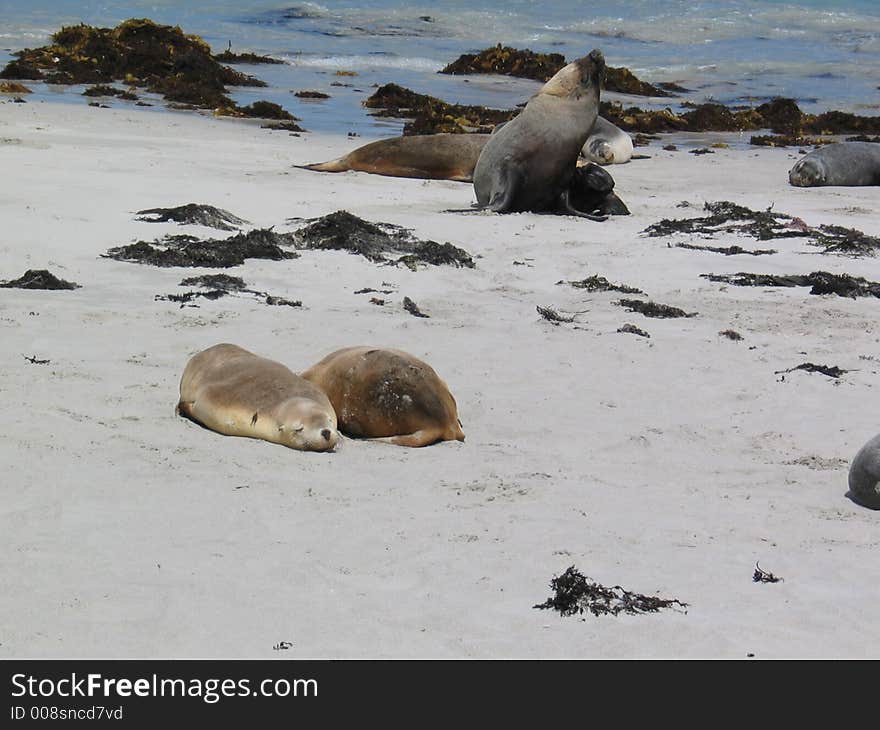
(668, 466)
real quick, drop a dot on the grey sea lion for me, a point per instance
(387, 395)
(864, 474)
(842, 163)
(607, 144)
(527, 165)
(235, 392)
(430, 157)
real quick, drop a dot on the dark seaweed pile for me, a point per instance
(766, 225)
(138, 52)
(631, 329)
(600, 283)
(552, 316)
(764, 576)
(39, 279)
(832, 371)
(193, 214)
(821, 282)
(377, 242)
(728, 250)
(410, 306)
(430, 115)
(214, 286)
(652, 309)
(105, 90)
(575, 594)
(731, 335)
(542, 66)
(260, 243)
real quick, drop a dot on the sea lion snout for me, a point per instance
(326, 433)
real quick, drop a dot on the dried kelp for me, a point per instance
(652, 309)
(631, 329)
(764, 576)
(832, 371)
(821, 282)
(260, 243)
(193, 214)
(39, 279)
(600, 283)
(731, 335)
(575, 594)
(728, 250)
(215, 286)
(377, 242)
(553, 317)
(410, 306)
(765, 225)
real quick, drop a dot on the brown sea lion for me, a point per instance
(429, 157)
(528, 164)
(237, 393)
(387, 395)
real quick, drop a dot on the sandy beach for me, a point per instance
(668, 465)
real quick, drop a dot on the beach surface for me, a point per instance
(667, 465)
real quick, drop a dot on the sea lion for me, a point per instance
(842, 163)
(387, 395)
(237, 393)
(864, 474)
(527, 165)
(591, 190)
(607, 144)
(429, 157)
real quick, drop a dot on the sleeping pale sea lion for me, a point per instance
(607, 144)
(237, 393)
(527, 165)
(843, 163)
(387, 395)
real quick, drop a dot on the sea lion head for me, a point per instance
(581, 77)
(600, 151)
(306, 425)
(807, 173)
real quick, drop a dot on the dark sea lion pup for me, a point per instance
(429, 157)
(843, 163)
(864, 475)
(234, 392)
(387, 395)
(527, 165)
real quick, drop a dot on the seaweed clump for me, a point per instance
(822, 282)
(430, 115)
(653, 309)
(509, 62)
(764, 225)
(106, 90)
(527, 64)
(377, 242)
(631, 329)
(193, 214)
(39, 279)
(260, 243)
(600, 283)
(832, 371)
(139, 52)
(575, 594)
(215, 286)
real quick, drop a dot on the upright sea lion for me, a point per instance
(843, 163)
(387, 395)
(864, 474)
(527, 165)
(430, 157)
(234, 392)
(607, 144)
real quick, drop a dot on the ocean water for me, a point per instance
(826, 55)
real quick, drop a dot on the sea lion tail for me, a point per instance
(338, 165)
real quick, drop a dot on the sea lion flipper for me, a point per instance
(566, 207)
(425, 437)
(504, 189)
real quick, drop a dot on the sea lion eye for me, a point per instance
(298, 428)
